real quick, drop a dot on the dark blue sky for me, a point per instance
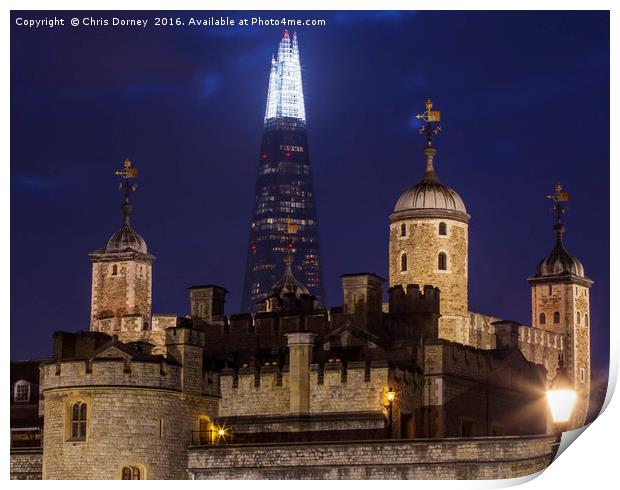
(524, 100)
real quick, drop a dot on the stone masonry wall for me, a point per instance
(110, 372)
(332, 389)
(422, 245)
(131, 329)
(126, 293)
(244, 397)
(352, 394)
(147, 428)
(26, 464)
(505, 457)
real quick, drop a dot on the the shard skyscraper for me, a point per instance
(284, 214)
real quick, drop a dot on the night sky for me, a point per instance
(524, 100)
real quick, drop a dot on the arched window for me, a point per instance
(403, 230)
(21, 391)
(578, 318)
(403, 262)
(442, 261)
(556, 317)
(114, 270)
(443, 229)
(78, 421)
(542, 319)
(586, 320)
(131, 473)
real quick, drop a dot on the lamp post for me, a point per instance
(561, 398)
(390, 396)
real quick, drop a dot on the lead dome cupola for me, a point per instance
(126, 239)
(430, 197)
(560, 261)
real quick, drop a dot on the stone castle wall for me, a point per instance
(131, 329)
(537, 345)
(136, 415)
(147, 428)
(492, 395)
(506, 457)
(26, 464)
(422, 244)
(110, 372)
(128, 292)
(333, 387)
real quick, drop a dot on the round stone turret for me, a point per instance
(429, 246)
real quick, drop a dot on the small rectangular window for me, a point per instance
(582, 375)
(161, 428)
(22, 391)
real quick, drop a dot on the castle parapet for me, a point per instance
(333, 386)
(110, 372)
(413, 300)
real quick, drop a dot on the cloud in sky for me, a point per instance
(210, 84)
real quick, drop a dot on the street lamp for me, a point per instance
(561, 398)
(390, 396)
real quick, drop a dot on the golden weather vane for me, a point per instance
(128, 171)
(429, 117)
(559, 197)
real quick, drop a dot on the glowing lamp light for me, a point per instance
(391, 394)
(561, 403)
(561, 397)
(221, 432)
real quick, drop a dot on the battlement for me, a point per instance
(536, 336)
(491, 366)
(113, 371)
(262, 331)
(131, 328)
(333, 386)
(413, 300)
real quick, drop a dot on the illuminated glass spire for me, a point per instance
(284, 217)
(286, 96)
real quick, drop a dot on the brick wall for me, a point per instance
(478, 458)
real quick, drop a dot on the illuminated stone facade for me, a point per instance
(561, 306)
(168, 397)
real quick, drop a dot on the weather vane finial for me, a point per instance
(560, 196)
(128, 171)
(128, 186)
(430, 116)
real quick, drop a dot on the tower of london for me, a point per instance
(297, 390)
